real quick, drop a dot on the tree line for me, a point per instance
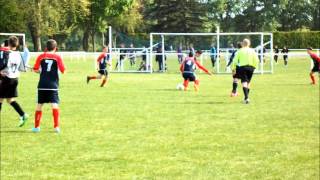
(76, 23)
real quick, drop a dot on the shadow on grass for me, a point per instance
(199, 102)
(22, 131)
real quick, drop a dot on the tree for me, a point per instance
(177, 16)
(97, 19)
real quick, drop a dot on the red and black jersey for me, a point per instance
(189, 65)
(103, 61)
(49, 65)
(316, 60)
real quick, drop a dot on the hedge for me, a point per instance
(297, 39)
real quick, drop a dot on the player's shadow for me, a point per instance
(199, 102)
(168, 89)
(21, 131)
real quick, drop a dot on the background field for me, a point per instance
(140, 127)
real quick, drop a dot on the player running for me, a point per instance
(247, 59)
(187, 69)
(316, 65)
(48, 64)
(9, 75)
(235, 75)
(102, 62)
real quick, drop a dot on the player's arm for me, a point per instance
(61, 66)
(182, 66)
(202, 68)
(36, 67)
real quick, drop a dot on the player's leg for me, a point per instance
(196, 82)
(234, 87)
(104, 79)
(312, 77)
(37, 117)
(213, 61)
(18, 109)
(94, 77)
(56, 117)
(185, 81)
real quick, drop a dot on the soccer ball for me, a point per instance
(180, 87)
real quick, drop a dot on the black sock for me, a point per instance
(17, 107)
(245, 91)
(234, 87)
(0, 106)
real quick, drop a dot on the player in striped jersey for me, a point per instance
(102, 62)
(187, 69)
(48, 64)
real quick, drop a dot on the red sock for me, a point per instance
(37, 118)
(197, 82)
(103, 82)
(55, 113)
(185, 84)
(313, 79)
(92, 77)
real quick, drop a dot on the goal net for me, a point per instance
(169, 48)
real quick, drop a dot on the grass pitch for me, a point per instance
(141, 127)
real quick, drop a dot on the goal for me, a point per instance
(173, 45)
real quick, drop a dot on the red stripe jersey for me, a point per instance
(315, 57)
(50, 64)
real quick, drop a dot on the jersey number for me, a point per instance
(49, 65)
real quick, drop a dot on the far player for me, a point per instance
(180, 55)
(276, 52)
(102, 62)
(213, 55)
(187, 69)
(247, 59)
(316, 65)
(9, 76)
(48, 64)
(235, 75)
(285, 52)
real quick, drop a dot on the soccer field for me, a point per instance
(140, 127)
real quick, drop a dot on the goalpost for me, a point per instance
(261, 42)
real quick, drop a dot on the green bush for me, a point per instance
(297, 39)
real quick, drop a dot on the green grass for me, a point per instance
(140, 127)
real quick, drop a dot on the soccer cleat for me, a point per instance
(57, 130)
(88, 79)
(246, 101)
(234, 94)
(23, 120)
(35, 130)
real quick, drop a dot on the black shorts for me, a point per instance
(103, 72)
(48, 96)
(237, 73)
(316, 67)
(245, 73)
(189, 76)
(8, 87)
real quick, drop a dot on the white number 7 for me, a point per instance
(49, 64)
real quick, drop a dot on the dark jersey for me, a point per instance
(276, 50)
(122, 54)
(316, 60)
(49, 66)
(103, 60)
(189, 65)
